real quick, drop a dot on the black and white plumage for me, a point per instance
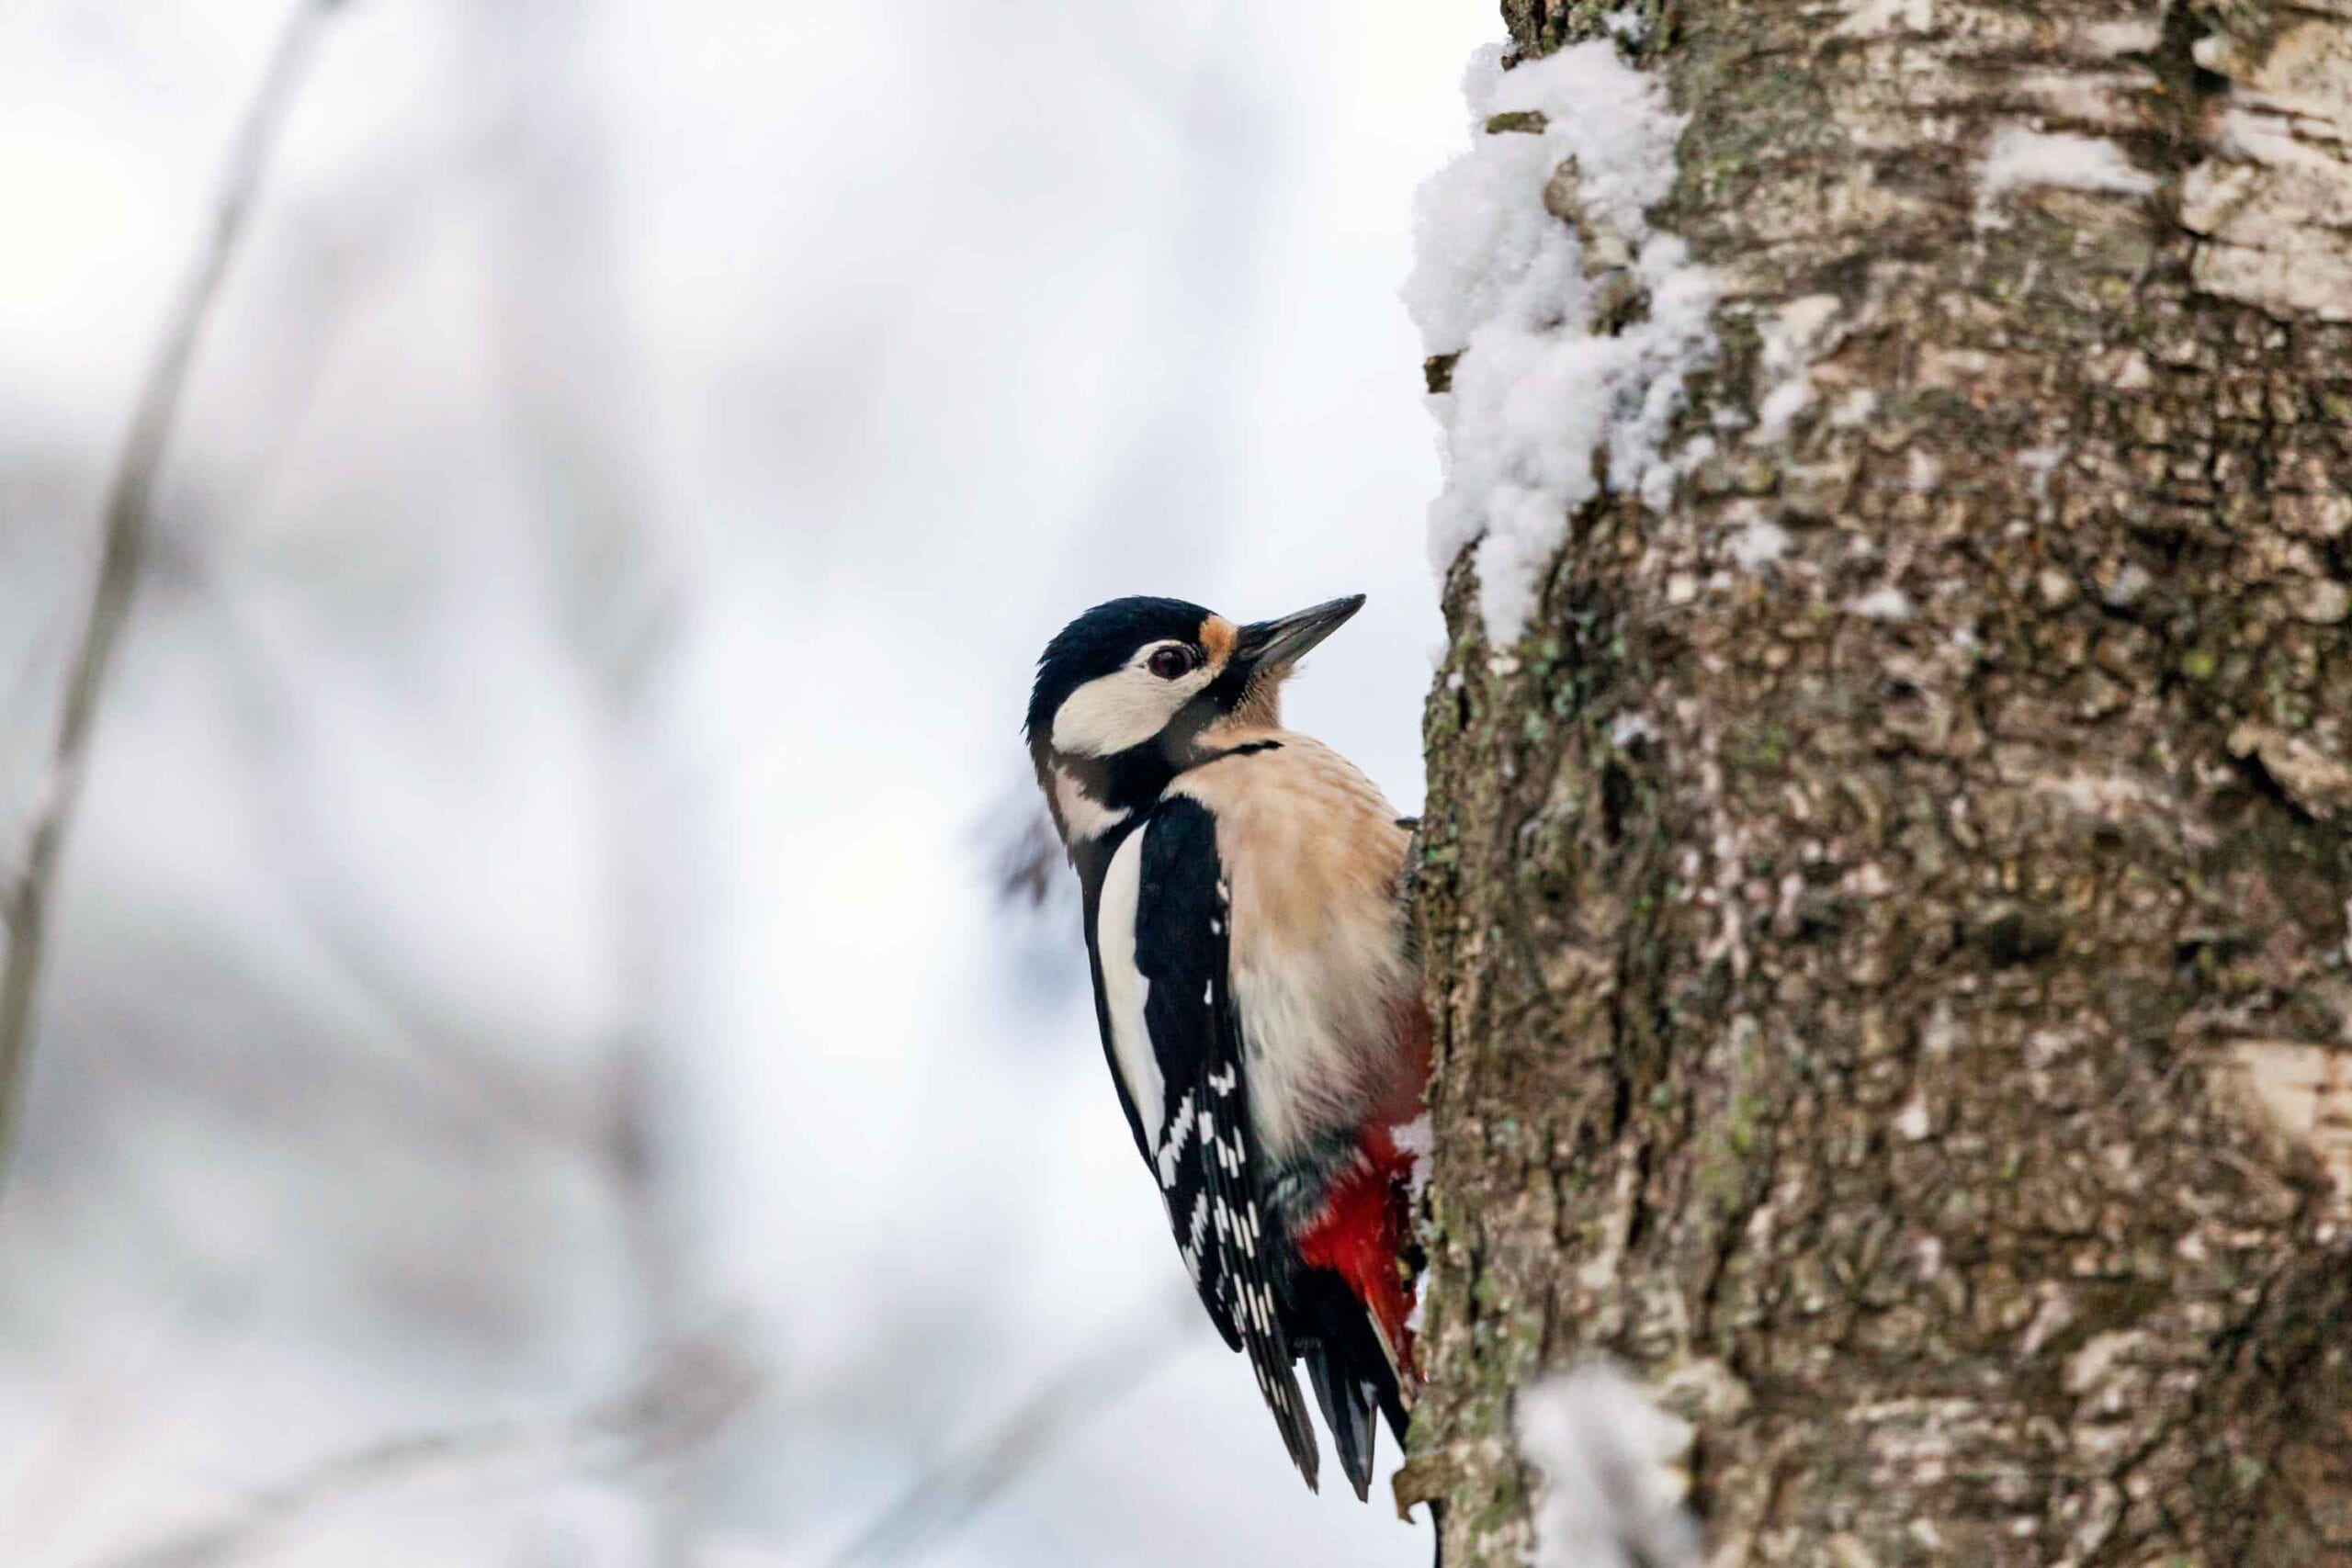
(1204, 1149)
(1258, 1005)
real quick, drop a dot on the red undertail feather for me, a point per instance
(1359, 1235)
(1366, 1222)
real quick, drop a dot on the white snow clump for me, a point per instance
(1547, 406)
(1612, 1488)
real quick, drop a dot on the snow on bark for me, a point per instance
(1613, 1486)
(1569, 324)
(2020, 158)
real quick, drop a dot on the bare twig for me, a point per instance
(346, 1476)
(1031, 870)
(681, 1400)
(944, 1500)
(123, 540)
(564, 355)
(99, 1415)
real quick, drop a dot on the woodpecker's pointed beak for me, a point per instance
(1272, 647)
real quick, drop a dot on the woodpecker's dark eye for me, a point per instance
(1170, 663)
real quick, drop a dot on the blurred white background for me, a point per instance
(531, 1066)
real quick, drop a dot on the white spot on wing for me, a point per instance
(1172, 1146)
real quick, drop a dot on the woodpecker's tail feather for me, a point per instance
(1347, 1410)
(1350, 1370)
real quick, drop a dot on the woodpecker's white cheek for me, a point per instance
(1125, 708)
(1125, 987)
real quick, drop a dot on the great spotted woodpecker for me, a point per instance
(1257, 997)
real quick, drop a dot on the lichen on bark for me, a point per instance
(1895, 993)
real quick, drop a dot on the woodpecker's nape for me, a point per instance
(1257, 994)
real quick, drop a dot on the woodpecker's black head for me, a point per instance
(1135, 691)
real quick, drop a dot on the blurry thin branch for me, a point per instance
(441, 1059)
(679, 1402)
(98, 1410)
(565, 351)
(1030, 866)
(943, 1501)
(123, 540)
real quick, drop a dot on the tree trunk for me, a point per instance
(1892, 985)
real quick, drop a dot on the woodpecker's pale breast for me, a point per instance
(1311, 853)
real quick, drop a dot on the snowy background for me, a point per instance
(531, 1068)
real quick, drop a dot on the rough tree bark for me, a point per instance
(1922, 1046)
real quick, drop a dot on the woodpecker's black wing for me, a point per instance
(1204, 1149)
